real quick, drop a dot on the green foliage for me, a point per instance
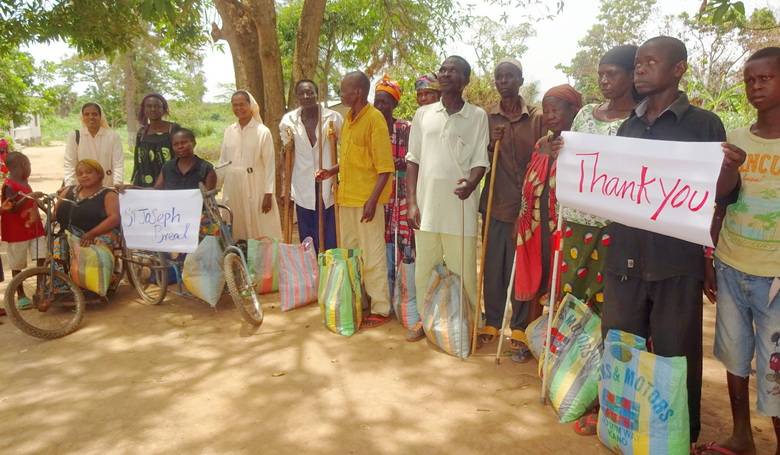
(372, 36)
(715, 12)
(97, 27)
(493, 41)
(619, 22)
(16, 87)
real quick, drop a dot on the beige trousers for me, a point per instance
(433, 248)
(370, 238)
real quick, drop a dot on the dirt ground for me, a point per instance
(184, 378)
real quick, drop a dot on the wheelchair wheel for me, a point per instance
(148, 274)
(54, 312)
(241, 290)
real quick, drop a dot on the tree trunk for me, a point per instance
(264, 15)
(240, 32)
(131, 86)
(307, 45)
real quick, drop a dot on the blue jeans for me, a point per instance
(748, 323)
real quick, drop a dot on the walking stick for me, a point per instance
(488, 212)
(462, 268)
(507, 310)
(289, 158)
(334, 160)
(553, 299)
(318, 187)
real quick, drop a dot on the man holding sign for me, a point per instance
(654, 272)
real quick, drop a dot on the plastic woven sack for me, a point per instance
(447, 322)
(202, 273)
(405, 295)
(574, 373)
(340, 292)
(298, 274)
(91, 267)
(263, 264)
(536, 332)
(643, 398)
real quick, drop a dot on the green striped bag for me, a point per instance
(643, 398)
(340, 292)
(263, 264)
(446, 317)
(574, 372)
(91, 266)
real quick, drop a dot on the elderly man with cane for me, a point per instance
(514, 129)
(446, 160)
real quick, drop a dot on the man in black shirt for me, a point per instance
(653, 283)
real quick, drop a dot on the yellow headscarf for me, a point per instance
(103, 122)
(92, 164)
(252, 105)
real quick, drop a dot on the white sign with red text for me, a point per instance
(661, 186)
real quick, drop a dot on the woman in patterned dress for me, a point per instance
(586, 237)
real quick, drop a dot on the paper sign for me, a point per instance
(161, 220)
(661, 186)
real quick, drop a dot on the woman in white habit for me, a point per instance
(94, 140)
(250, 177)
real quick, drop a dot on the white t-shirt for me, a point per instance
(105, 148)
(446, 148)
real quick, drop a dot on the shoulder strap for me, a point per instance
(78, 136)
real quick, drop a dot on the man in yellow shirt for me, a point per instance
(365, 165)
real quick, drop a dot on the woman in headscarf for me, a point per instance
(153, 141)
(386, 98)
(427, 89)
(585, 236)
(537, 220)
(96, 141)
(250, 177)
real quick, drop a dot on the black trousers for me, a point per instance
(498, 268)
(670, 313)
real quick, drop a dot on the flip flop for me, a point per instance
(487, 334)
(713, 447)
(518, 340)
(586, 425)
(374, 320)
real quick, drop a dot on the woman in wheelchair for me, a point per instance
(91, 211)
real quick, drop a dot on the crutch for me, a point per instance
(553, 299)
(488, 213)
(507, 308)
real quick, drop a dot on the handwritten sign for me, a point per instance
(660, 186)
(166, 221)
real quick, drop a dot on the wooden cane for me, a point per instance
(551, 303)
(289, 158)
(488, 212)
(318, 186)
(334, 160)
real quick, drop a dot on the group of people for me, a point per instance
(410, 191)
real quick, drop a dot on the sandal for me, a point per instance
(487, 334)
(586, 425)
(518, 340)
(375, 320)
(712, 447)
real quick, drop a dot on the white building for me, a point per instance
(29, 134)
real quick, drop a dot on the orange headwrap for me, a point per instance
(389, 86)
(566, 93)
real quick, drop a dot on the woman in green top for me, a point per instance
(585, 236)
(153, 142)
